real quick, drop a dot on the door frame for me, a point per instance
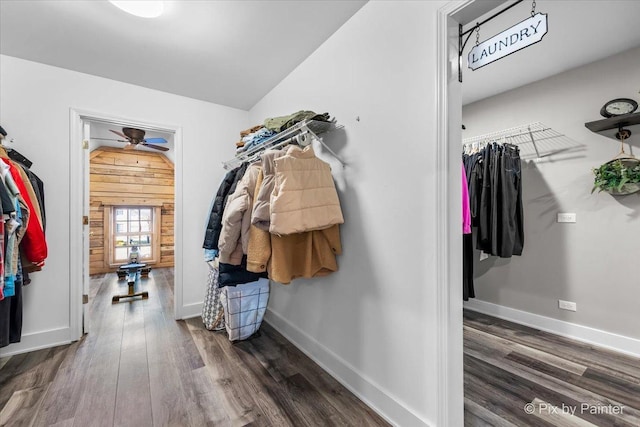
(79, 180)
(450, 363)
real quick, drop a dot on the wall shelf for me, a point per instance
(312, 128)
(609, 127)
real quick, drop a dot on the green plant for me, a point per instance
(614, 175)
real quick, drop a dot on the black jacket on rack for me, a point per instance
(495, 193)
(227, 187)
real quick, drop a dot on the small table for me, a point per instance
(131, 271)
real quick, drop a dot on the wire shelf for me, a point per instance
(314, 127)
(536, 140)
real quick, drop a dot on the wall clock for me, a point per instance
(618, 107)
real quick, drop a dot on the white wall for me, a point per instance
(34, 109)
(594, 261)
(373, 323)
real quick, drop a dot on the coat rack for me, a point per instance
(302, 133)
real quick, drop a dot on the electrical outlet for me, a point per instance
(567, 305)
(567, 217)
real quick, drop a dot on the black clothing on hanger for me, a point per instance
(227, 187)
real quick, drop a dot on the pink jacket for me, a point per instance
(466, 212)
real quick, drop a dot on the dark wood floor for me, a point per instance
(508, 366)
(139, 367)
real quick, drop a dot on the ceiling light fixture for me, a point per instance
(143, 9)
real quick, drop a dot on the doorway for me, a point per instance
(573, 155)
(161, 209)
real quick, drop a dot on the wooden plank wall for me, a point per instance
(129, 177)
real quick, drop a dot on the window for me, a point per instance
(132, 228)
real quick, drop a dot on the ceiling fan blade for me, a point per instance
(155, 140)
(119, 134)
(109, 139)
(156, 147)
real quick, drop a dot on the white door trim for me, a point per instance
(76, 188)
(450, 373)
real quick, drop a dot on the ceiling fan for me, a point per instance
(134, 137)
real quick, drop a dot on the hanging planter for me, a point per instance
(618, 177)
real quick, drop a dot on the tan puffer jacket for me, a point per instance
(261, 216)
(259, 251)
(236, 218)
(304, 197)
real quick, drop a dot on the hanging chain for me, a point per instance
(623, 136)
(477, 35)
(533, 8)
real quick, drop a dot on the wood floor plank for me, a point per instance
(133, 400)
(133, 394)
(63, 395)
(496, 343)
(238, 396)
(183, 380)
(31, 373)
(101, 377)
(477, 415)
(208, 405)
(615, 363)
(294, 395)
(168, 402)
(3, 361)
(286, 358)
(19, 410)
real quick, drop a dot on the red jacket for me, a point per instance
(34, 244)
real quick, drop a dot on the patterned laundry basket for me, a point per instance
(244, 307)
(212, 313)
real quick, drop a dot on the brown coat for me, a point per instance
(310, 254)
(304, 197)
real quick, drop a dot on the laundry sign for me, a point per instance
(521, 35)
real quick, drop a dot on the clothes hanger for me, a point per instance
(12, 153)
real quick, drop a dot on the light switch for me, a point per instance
(567, 217)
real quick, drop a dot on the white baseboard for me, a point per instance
(190, 310)
(365, 389)
(38, 341)
(620, 343)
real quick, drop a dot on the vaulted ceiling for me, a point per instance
(227, 52)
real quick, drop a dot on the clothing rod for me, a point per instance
(285, 137)
(282, 143)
